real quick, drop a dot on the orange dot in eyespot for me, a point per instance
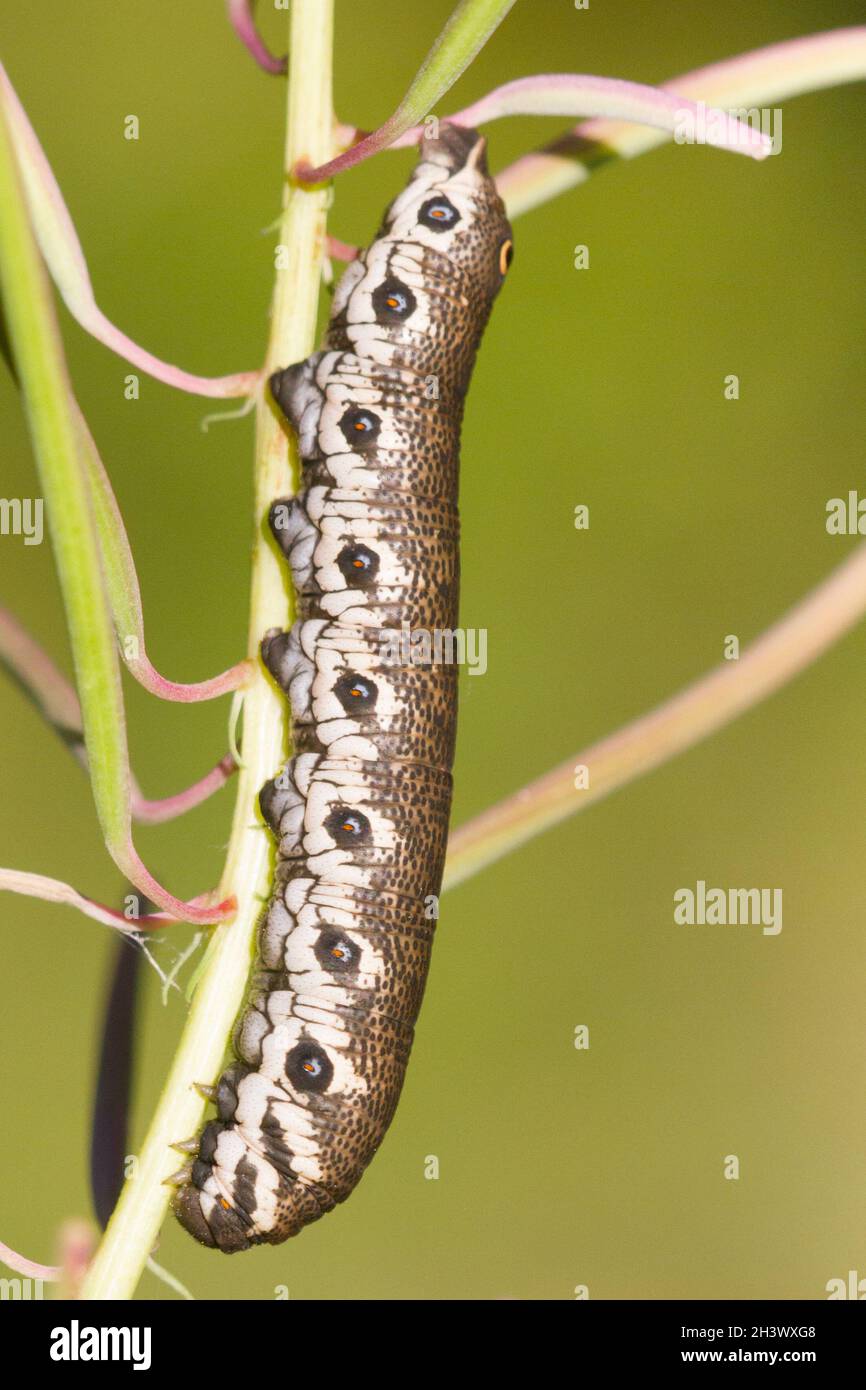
(308, 1066)
(226, 1206)
(347, 826)
(359, 425)
(337, 953)
(356, 692)
(358, 564)
(392, 302)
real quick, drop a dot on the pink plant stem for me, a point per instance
(128, 860)
(235, 678)
(813, 625)
(53, 890)
(43, 682)
(61, 249)
(368, 145)
(29, 1268)
(214, 387)
(240, 13)
(77, 1243)
(341, 250)
(58, 702)
(124, 592)
(168, 807)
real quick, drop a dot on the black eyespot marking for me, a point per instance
(309, 1068)
(358, 564)
(360, 427)
(357, 694)
(348, 828)
(393, 301)
(439, 214)
(335, 952)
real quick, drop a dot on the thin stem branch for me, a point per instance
(61, 249)
(242, 20)
(134, 1226)
(818, 621)
(29, 1268)
(57, 701)
(150, 811)
(53, 890)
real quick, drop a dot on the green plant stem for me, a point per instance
(134, 1227)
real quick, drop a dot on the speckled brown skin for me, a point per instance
(361, 812)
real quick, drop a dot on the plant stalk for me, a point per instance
(134, 1226)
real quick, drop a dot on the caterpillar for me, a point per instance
(360, 812)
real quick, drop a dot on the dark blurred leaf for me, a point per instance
(108, 1145)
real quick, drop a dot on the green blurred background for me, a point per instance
(557, 1167)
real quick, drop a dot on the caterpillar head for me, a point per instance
(451, 205)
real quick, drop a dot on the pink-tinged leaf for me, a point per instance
(468, 28)
(55, 697)
(571, 94)
(64, 257)
(240, 13)
(52, 890)
(29, 1268)
(125, 595)
(756, 78)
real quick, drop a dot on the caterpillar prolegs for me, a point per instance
(361, 811)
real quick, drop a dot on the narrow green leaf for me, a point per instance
(465, 34)
(55, 429)
(46, 392)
